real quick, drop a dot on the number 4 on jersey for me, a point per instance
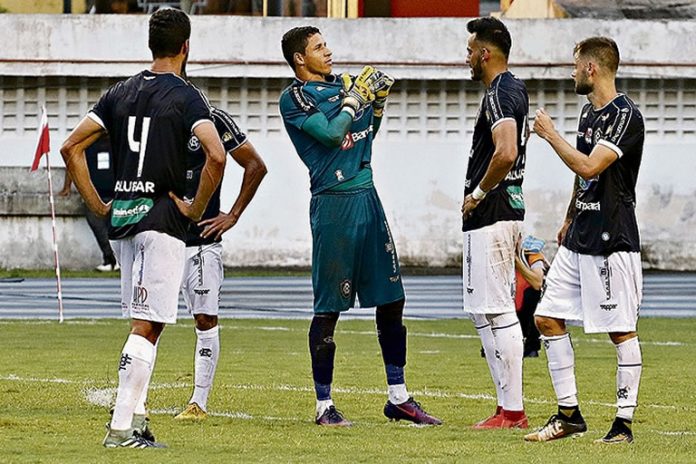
(141, 146)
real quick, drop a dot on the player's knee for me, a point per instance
(147, 329)
(205, 321)
(549, 327)
(502, 320)
(390, 314)
(321, 331)
(620, 337)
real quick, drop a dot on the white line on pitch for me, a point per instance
(99, 400)
(348, 332)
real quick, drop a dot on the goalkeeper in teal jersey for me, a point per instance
(332, 121)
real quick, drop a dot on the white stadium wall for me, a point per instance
(420, 153)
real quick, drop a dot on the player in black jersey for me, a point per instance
(149, 119)
(596, 276)
(203, 273)
(492, 213)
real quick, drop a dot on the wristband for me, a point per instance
(349, 110)
(478, 194)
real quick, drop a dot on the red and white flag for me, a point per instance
(44, 145)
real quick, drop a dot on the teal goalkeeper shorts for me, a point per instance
(353, 252)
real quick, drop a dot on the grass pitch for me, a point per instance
(56, 382)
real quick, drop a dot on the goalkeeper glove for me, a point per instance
(360, 92)
(382, 88)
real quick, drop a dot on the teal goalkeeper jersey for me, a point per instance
(328, 166)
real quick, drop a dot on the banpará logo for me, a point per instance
(347, 143)
(587, 206)
(352, 137)
(194, 144)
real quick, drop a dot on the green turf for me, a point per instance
(52, 375)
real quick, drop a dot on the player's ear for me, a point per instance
(184, 48)
(298, 58)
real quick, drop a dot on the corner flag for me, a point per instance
(43, 146)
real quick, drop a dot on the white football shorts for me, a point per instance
(604, 293)
(203, 275)
(152, 264)
(489, 268)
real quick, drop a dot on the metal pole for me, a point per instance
(55, 239)
(67, 6)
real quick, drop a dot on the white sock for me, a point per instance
(559, 351)
(509, 341)
(133, 372)
(630, 365)
(483, 327)
(206, 358)
(323, 405)
(398, 393)
(140, 406)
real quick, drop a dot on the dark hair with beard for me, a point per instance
(492, 31)
(602, 49)
(295, 41)
(169, 29)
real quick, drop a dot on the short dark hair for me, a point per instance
(602, 49)
(493, 31)
(169, 29)
(295, 41)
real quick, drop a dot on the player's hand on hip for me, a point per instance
(468, 206)
(100, 208)
(560, 235)
(543, 124)
(382, 87)
(215, 227)
(186, 208)
(360, 93)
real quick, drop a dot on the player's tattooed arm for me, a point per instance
(73, 151)
(254, 171)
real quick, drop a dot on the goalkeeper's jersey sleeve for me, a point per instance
(328, 166)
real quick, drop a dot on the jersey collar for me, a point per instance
(331, 78)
